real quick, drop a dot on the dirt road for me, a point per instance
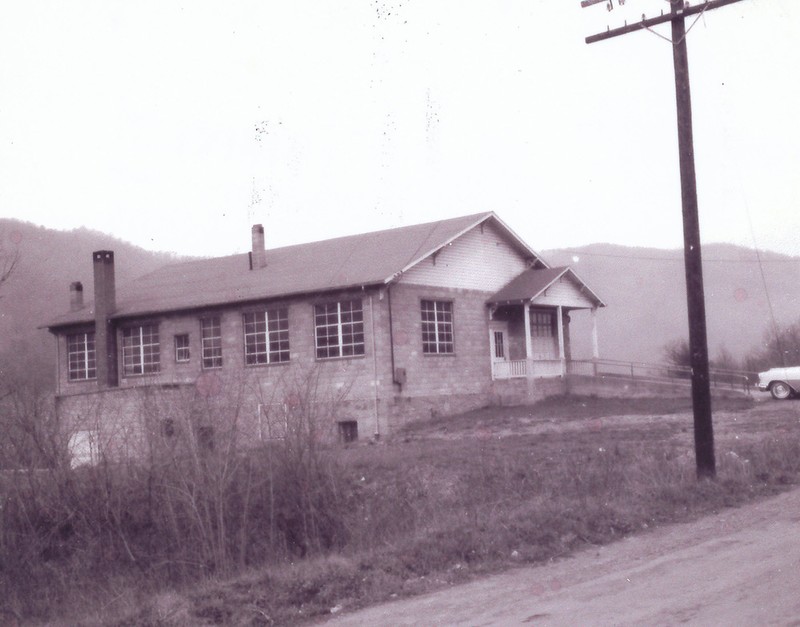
(739, 567)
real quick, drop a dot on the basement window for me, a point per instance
(141, 350)
(81, 357)
(205, 438)
(348, 431)
(168, 427)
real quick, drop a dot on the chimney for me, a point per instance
(258, 256)
(104, 305)
(75, 296)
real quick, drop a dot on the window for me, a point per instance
(437, 327)
(83, 449)
(348, 431)
(542, 324)
(339, 329)
(168, 427)
(81, 357)
(140, 350)
(182, 347)
(205, 438)
(211, 342)
(266, 337)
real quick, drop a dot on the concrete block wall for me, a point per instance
(357, 389)
(468, 369)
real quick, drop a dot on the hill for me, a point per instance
(645, 291)
(48, 261)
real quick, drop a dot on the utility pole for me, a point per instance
(698, 341)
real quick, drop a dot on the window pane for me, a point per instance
(81, 357)
(182, 347)
(141, 350)
(266, 337)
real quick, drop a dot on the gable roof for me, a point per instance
(374, 258)
(532, 283)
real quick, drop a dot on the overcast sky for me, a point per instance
(177, 125)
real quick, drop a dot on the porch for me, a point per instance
(529, 333)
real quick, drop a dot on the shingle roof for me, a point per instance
(344, 262)
(531, 283)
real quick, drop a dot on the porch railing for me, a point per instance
(522, 368)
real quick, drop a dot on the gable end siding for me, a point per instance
(478, 260)
(564, 292)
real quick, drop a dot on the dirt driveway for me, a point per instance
(739, 567)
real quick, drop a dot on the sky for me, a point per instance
(178, 125)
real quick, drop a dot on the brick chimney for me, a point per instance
(105, 302)
(258, 255)
(75, 296)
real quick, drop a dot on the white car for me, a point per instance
(780, 382)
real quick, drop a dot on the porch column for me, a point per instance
(528, 342)
(595, 344)
(560, 325)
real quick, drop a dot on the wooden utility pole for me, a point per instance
(698, 342)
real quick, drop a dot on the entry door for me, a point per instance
(498, 344)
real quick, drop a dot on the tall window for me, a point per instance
(339, 329)
(211, 342)
(81, 357)
(437, 327)
(140, 350)
(182, 347)
(266, 337)
(542, 324)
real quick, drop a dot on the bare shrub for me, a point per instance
(187, 491)
(780, 347)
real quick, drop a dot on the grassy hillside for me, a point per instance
(645, 291)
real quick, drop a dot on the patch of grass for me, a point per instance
(429, 512)
(565, 408)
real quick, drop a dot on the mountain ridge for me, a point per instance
(645, 290)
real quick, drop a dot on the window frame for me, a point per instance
(350, 329)
(136, 354)
(446, 309)
(86, 362)
(211, 345)
(275, 333)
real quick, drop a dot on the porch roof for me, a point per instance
(529, 285)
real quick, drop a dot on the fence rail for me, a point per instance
(657, 373)
(718, 378)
